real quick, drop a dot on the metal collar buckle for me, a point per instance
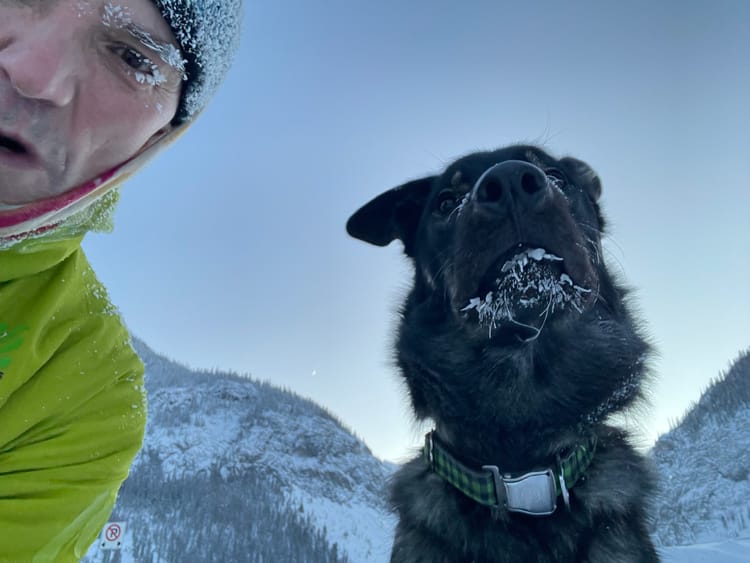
(429, 444)
(533, 493)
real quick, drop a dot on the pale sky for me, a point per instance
(230, 250)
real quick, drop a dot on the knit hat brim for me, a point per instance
(208, 32)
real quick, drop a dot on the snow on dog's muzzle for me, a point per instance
(528, 286)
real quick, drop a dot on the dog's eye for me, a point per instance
(446, 202)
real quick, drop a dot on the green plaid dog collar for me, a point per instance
(533, 493)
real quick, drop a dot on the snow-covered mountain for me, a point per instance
(704, 465)
(237, 470)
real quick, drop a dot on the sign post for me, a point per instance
(112, 535)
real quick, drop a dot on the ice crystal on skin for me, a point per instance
(525, 283)
(84, 8)
(116, 16)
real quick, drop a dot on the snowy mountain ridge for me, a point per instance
(704, 465)
(237, 470)
(206, 426)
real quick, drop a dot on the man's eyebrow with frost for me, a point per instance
(165, 49)
(119, 17)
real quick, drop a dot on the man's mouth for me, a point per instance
(9, 144)
(17, 153)
(523, 290)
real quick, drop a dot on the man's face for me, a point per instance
(84, 85)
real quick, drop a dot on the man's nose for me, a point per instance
(40, 65)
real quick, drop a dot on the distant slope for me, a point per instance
(237, 470)
(704, 465)
(730, 551)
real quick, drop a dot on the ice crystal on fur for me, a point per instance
(629, 388)
(461, 204)
(556, 183)
(527, 282)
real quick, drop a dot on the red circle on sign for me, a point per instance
(112, 532)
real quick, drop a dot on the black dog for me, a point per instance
(517, 343)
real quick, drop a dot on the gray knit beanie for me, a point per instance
(208, 32)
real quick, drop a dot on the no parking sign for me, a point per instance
(112, 535)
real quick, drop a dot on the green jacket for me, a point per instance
(72, 402)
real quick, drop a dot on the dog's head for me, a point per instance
(513, 316)
(506, 240)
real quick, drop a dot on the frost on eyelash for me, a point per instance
(526, 284)
(154, 79)
(167, 53)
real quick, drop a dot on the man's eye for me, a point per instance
(134, 59)
(145, 71)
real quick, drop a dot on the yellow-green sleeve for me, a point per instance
(72, 413)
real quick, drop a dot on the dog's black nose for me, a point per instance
(511, 180)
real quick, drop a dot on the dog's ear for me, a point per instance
(392, 215)
(579, 169)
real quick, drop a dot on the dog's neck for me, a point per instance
(512, 452)
(493, 405)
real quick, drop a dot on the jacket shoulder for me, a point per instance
(72, 411)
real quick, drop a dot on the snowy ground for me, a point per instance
(730, 551)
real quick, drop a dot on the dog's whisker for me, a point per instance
(457, 210)
(592, 239)
(432, 278)
(537, 330)
(592, 247)
(441, 269)
(613, 240)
